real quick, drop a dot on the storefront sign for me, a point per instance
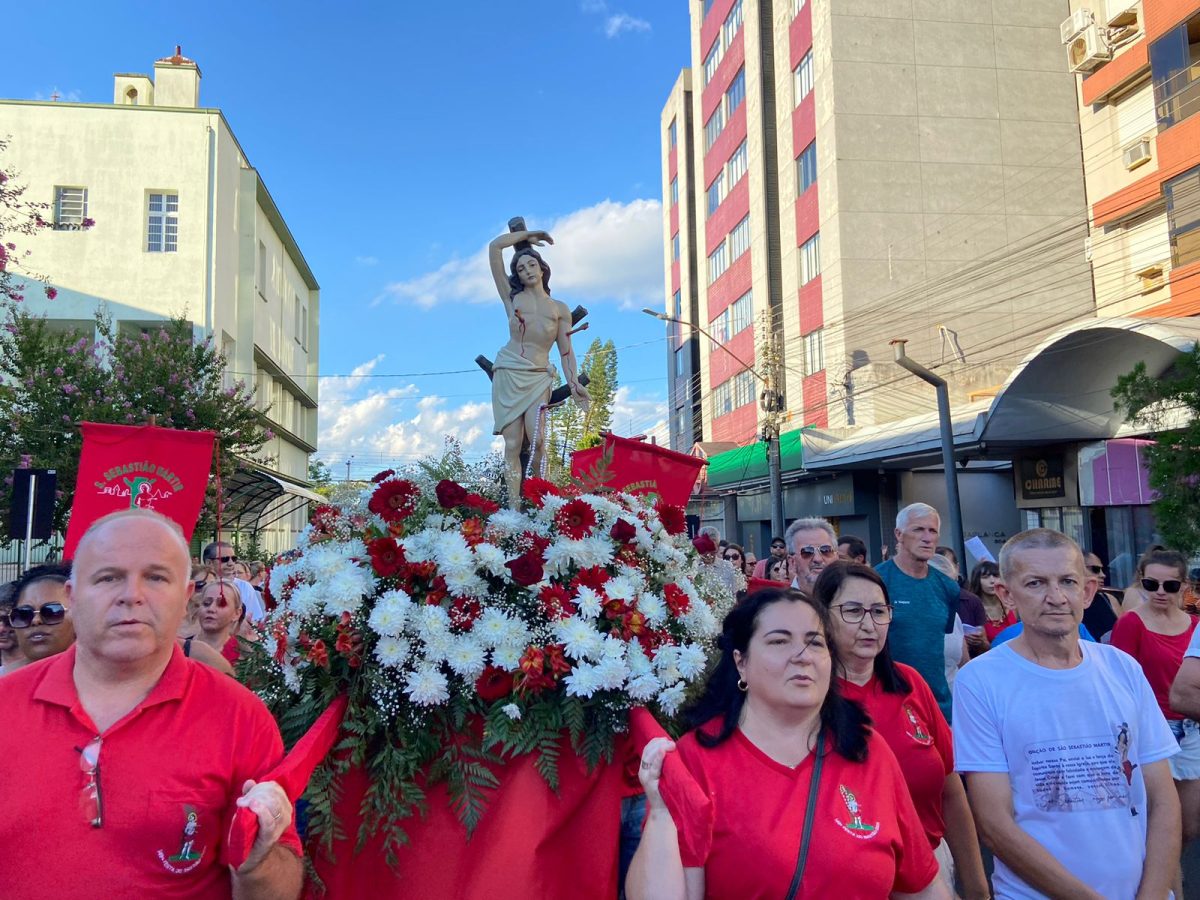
(1042, 478)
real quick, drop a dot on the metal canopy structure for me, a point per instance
(257, 499)
(1062, 391)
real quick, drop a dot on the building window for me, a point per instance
(162, 223)
(736, 167)
(736, 93)
(740, 313)
(674, 191)
(716, 193)
(131, 97)
(739, 238)
(713, 60)
(806, 168)
(713, 127)
(672, 136)
(675, 246)
(70, 207)
(810, 259)
(733, 24)
(743, 388)
(1183, 217)
(814, 351)
(261, 282)
(802, 78)
(1175, 70)
(729, 30)
(718, 262)
(722, 398)
(297, 318)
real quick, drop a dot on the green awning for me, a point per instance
(750, 462)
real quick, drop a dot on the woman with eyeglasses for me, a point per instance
(41, 615)
(1156, 633)
(781, 789)
(904, 713)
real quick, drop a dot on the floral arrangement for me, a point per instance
(466, 634)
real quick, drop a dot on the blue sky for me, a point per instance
(397, 140)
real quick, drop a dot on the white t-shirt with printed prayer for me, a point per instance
(1194, 645)
(1073, 742)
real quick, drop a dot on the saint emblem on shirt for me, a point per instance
(855, 827)
(916, 729)
(188, 856)
(1127, 767)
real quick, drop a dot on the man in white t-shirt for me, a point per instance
(1185, 691)
(1063, 746)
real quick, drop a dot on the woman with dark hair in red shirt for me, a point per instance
(904, 713)
(793, 795)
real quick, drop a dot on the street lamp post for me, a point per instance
(943, 403)
(349, 459)
(772, 405)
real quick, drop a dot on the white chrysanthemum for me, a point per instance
(582, 682)
(466, 584)
(438, 645)
(390, 613)
(578, 637)
(671, 699)
(621, 588)
(344, 591)
(491, 627)
(427, 686)
(653, 608)
(611, 648)
(507, 657)
(692, 660)
(666, 664)
(550, 507)
(643, 687)
(432, 619)
(453, 555)
(393, 652)
(491, 559)
(291, 678)
(467, 658)
(516, 635)
(589, 602)
(436, 520)
(558, 557)
(593, 551)
(511, 710)
(509, 521)
(700, 621)
(638, 662)
(305, 600)
(611, 673)
(419, 547)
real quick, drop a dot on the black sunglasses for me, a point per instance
(1171, 586)
(1095, 570)
(224, 559)
(22, 616)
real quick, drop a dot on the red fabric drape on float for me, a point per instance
(530, 842)
(123, 466)
(641, 468)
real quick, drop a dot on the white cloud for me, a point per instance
(367, 260)
(54, 93)
(619, 23)
(637, 415)
(610, 251)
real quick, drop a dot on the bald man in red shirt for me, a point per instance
(123, 758)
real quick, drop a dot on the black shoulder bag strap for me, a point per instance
(809, 814)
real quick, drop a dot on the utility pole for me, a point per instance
(349, 460)
(771, 402)
(954, 513)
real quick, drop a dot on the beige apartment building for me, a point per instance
(838, 174)
(184, 224)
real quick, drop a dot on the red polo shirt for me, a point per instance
(916, 731)
(170, 772)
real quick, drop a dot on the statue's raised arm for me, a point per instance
(522, 376)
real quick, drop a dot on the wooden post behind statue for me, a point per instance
(522, 376)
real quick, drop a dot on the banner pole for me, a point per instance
(29, 523)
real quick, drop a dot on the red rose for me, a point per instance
(622, 532)
(672, 517)
(450, 494)
(394, 500)
(576, 519)
(387, 557)
(536, 489)
(526, 569)
(704, 544)
(494, 684)
(482, 503)
(383, 476)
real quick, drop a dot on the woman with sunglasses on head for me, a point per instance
(1156, 633)
(221, 614)
(793, 794)
(904, 713)
(41, 615)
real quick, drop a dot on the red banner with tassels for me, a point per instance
(124, 466)
(641, 468)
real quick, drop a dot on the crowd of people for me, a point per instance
(1041, 728)
(885, 731)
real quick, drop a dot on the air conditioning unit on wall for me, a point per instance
(1079, 20)
(1088, 50)
(1122, 13)
(1137, 154)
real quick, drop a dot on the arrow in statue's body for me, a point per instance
(563, 391)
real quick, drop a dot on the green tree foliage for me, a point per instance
(600, 363)
(1174, 459)
(51, 379)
